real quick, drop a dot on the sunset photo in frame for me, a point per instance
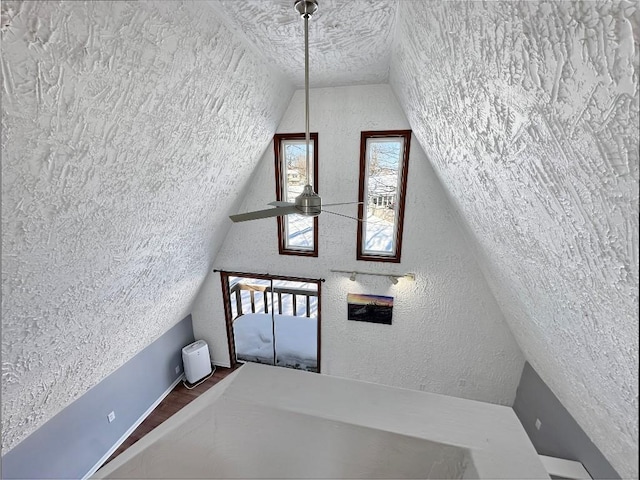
(369, 308)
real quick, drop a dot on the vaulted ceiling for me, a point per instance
(120, 120)
(349, 42)
(531, 121)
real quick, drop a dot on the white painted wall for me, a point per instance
(127, 130)
(271, 422)
(529, 112)
(448, 334)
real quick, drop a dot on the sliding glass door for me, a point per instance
(273, 320)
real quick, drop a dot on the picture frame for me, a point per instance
(369, 308)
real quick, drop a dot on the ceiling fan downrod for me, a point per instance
(308, 202)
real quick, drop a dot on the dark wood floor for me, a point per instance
(179, 397)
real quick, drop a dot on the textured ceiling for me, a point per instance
(120, 121)
(529, 113)
(349, 41)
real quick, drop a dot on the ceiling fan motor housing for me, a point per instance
(308, 202)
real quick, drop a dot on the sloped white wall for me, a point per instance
(127, 130)
(448, 334)
(529, 111)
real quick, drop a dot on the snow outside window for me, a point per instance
(273, 320)
(297, 234)
(384, 160)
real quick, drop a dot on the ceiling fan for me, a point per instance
(308, 203)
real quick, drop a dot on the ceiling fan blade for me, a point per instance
(341, 215)
(345, 203)
(281, 204)
(369, 221)
(269, 212)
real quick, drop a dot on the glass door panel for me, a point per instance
(275, 321)
(296, 324)
(251, 307)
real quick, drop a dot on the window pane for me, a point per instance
(298, 228)
(384, 157)
(383, 179)
(297, 234)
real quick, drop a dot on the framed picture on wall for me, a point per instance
(369, 308)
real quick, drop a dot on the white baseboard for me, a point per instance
(121, 440)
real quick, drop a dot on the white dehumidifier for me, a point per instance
(197, 364)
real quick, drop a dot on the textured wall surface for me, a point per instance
(529, 113)
(448, 334)
(127, 129)
(78, 439)
(349, 41)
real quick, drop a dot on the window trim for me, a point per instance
(364, 136)
(228, 316)
(277, 150)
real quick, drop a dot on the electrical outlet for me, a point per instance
(111, 417)
(538, 424)
(177, 369)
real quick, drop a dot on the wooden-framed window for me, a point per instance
(297, 234)
(384, 161)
